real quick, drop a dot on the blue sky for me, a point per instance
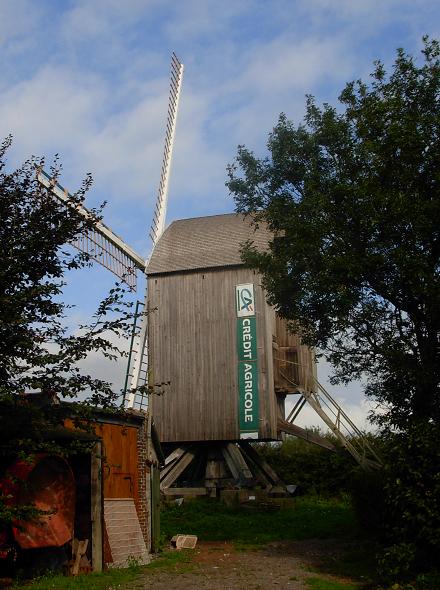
(88, 79)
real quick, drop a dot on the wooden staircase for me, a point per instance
(328, 409)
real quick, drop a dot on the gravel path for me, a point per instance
(218, 566)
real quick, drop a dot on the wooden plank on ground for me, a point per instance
(185, 491)
(79, 549)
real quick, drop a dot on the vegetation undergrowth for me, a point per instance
(312, 468)
(213, 521)
(248, 528)
(311, 518)
(95, 581)
(114, 578)
(357, 562)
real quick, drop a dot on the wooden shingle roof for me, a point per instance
(205, 242)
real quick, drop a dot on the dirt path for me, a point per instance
(218, 566)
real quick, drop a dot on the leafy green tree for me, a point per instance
(315, 470)
(38, 354)
(353, 198)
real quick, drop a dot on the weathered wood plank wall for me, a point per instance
(192, 336)
(293, 359)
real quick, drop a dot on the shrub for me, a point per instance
(412, 490)
(314, 469)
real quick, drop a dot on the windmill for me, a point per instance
(195, 262)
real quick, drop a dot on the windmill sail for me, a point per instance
(158, 224)
(100, 242)
(138, 374)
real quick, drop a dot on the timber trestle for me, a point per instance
(205, 468)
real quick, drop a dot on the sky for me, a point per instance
(89, 79)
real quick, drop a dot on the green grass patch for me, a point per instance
(174, 561)
(95, 581)
(320, 584)
(213, 521)
(180, 561)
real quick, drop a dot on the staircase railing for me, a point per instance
(351, 437)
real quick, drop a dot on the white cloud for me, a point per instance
(16, 19)
(53, 108)
(202, 18)
(99, 367)
(125, 153)
(285, 64)
(100, 18)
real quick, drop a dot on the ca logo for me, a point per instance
(246, 300)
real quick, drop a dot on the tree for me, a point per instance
(353, 200)
(352, 196)
(37, 352)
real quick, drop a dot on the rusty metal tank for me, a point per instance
(46, 482)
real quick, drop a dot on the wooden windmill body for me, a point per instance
(201, 343)
(229, 369)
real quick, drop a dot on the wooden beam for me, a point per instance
(177, 470)
(185, 491)
(171, 460)
(96, 506)
(155, 509)
(230, 463)
(237, 465)
(239, 460)
(176, 454)
(306, 435)
(261, 463)
(258, 471)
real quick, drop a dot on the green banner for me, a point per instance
(248, 396)
(247, 339)
(247, 375)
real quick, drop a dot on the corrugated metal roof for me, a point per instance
(205, 242)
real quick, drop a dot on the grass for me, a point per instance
(95, 581)
(110, 580)
(311, 518)
(173, 560)
(212, 521)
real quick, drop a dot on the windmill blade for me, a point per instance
(138, 374)
(100, 242)
(158, 224)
